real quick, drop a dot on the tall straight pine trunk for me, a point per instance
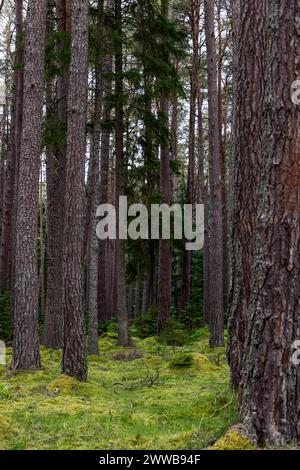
(74, 353)
(247, 124)
(165, 255)
(56, 183)
(216, 313)
(93, 268)
(123, 331)
(8, 219)
(26, 290)
(190, 192)
(103, 262)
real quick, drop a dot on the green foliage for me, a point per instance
(174, 334)
(57, 57)
(108, 326)
(55, 132)
(181, 360)
(5, 317)
(145, 325)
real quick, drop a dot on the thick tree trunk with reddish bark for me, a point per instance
(248, 108)
(216, 313)
(25, 299)
(74, 353)
(270, 387)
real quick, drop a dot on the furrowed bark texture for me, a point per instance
(93, 269)
(74, 353)
(56, 183)
(25, 299)
(271, 392)
(248, 108)
(216, 313)
(123, 331)
(190, 192)
(165, 256)
(103, 265)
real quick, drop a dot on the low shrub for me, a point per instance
(181, 361)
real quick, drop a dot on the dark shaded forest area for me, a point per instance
(149, 224)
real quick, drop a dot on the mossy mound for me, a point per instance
(181, 361)
(65, 385)
(202, 363)
(233, 440)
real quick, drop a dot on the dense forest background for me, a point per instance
(164, 101)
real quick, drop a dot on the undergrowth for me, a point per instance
(151, 396)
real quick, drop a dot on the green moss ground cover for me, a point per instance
(151, 396)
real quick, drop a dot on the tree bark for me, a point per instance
(56, 183)
(223, 156)
(123, 331)
(93, 269)
(74, 353)
(248, 109)
(103, 291)
(25, 299)
(270, 388)
(190, 192)
(216, 313)
(7, 245)
(165, 255)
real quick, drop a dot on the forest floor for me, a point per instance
(150, 396)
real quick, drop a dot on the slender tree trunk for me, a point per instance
(123, 332)
(103, 279)
(25, 301)
(204, 199)
(16, 136)
(9, 208)
(216, 313)
(165, 255)
(74, 353)
(93, 346)
(3, 151)
(56, 183)
(223, 157)
(190, 192)
(174, 137)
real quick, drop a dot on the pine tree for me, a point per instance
(269, 396)
(25, 302)
(74, 353)
(216, 313)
